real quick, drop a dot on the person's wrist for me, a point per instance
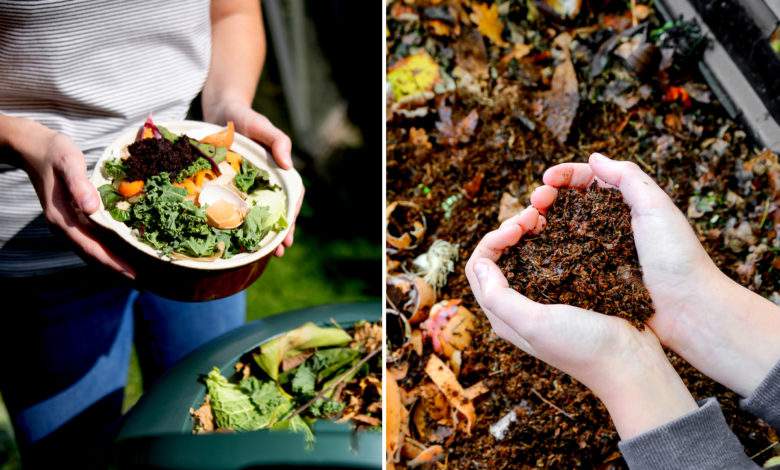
(24, 142)
(218, 107)
(753, 341)
(643, 392)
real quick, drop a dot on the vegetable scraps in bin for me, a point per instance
(584, 257)
(192, 199)
(292, 380)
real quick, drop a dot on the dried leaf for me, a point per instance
(446, 381)
(474, 184)
(396, 415)
(452, 134)
(430, 455)
(203, 417)
(560, 103)
(489, 24)
(413, 75)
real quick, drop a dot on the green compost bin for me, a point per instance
(157, 432)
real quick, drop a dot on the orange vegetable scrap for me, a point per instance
(130, 188)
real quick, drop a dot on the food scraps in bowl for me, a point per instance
(192, 199)
(294, 379)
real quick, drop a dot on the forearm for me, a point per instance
(737, 341)
(21, 138)
(237, 55)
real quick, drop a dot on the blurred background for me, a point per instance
(321, 85)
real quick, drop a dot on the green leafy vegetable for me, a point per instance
(328, 361)
(306, 336)
(304, 381)
(325, 407)
(252, 405)
(276, 203)
(232, 407)
(196, 166)
(114, 169)
(110, 198)
(167, 135)
(251, 178)
(170, 221)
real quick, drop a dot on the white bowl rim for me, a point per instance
(289, 180)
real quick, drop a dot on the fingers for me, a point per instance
(261, 129)
(508, 234)
(279, 251)
(543, 197)
(493, 293)
(639, 190)
(288, 240)
(569, 175)
(71, 167)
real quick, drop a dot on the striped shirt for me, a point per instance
(89, 69)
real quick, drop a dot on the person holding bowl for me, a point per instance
(74, 76)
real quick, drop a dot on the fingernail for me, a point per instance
(481, 270)
(599, 156)
(89, 203)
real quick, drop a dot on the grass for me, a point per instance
(312, 272)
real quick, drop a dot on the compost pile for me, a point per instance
(482, 98)
(296, 378)
(585, 257)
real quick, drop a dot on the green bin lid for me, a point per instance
(157, 432)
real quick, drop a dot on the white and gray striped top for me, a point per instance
(89, 69)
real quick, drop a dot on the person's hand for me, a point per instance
(58, 172)
(254, 125)
(724, 330)
(627, 369)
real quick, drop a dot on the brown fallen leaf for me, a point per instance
(489, 24)
(451, 133)
(518, 52)
(203, 417)
(445, 379)
(473, 185)
(396, 415)
(430, 455)
(560, 103)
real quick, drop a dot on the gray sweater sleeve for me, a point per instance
(765, 400)
(699, 440)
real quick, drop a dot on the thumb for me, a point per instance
(638, 189)
(72, 169)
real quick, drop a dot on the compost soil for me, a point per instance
(149, 157)
(699, 156)
(584, 257)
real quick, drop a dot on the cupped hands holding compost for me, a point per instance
(726, 331)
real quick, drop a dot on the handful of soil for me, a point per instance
(584, 257)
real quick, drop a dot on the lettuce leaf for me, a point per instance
(327, 362)
(251, 178)
(304, 381)
(253, 404)
(114, 169)
(232, 407)
(194, 167)
(306, 336)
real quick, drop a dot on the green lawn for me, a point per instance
(312, 272)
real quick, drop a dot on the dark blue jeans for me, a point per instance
(66, 341)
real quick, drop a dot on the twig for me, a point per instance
(560, 410)
(325, 390)
(753, 457)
